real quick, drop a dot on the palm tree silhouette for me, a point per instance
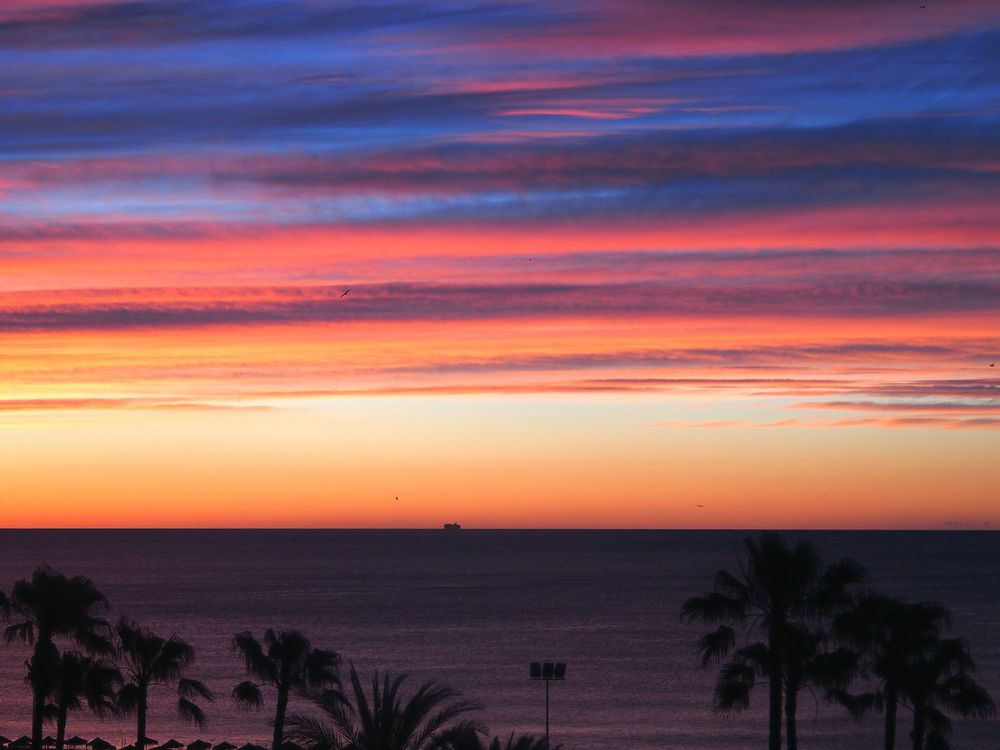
(776, 587)
(913, 665)
(386, 721)
(286, 661)
(80, 678)
(939, 681)
(53, 605)
(149, 660)
(890, 633)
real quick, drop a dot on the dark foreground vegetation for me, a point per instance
(781, 618)
(785, 619)
(79, 658)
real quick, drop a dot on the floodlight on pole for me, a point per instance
(547, 672)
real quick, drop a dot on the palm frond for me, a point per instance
(193, 689)
(312, 733)
(248, 697)
(173, 657)
(733, 688)
(460, 737)
(961, 694)
(321, 669)
(713, 607)
(858, 706)
(715, 646)
(22, 631)
(256, 662)
(190, 711)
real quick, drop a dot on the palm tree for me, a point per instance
(889, 633)
(939, 681)
(80, 678)
(53, 605)
(386, 721)
(286, 661)
(913, 666)
(150, 660)
(776, 586)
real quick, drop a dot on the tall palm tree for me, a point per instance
(776, 586)
(149, 660)
(386, 721)
(52, 605)
(937, 682)
(286, 661)
(890, 634)
(78, 679)
(912, 665)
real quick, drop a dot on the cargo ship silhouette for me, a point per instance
(452, 527)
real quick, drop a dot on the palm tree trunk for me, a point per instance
(791, 705)
(774, 678)
(890, 717)
(61, 727)
(37, 704)
(918, 728)
(279, 717)
(140, 711)
(40, 669)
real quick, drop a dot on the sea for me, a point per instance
(474, 608)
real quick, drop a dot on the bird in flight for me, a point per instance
(344, 294)
(701, 506)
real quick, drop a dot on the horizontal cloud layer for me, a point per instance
(208, 202)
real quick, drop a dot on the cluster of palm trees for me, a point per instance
(787, 619)
(113, 668)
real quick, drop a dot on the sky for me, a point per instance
(601, 263)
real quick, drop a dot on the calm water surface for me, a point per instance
(474, 609)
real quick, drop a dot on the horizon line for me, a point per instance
(910, 529)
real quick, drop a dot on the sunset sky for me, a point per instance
(518, 264)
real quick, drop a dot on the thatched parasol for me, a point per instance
(99, 744)
(200, 745)
(224, 746)
(76, 741)
(171, 744)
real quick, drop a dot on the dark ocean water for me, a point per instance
(473, 609)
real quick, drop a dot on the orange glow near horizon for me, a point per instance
(449, 458)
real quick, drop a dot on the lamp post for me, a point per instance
(547, 672)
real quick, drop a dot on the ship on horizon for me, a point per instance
(452, 527)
